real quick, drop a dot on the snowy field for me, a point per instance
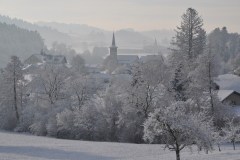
(15, 146)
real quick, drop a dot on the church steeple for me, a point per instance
(155, 47)
(113, 50)
(113, 46)
(113, 40)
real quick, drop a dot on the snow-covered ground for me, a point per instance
(14, 146)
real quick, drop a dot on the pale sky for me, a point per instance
(117, 14)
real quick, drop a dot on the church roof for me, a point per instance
(150, 57)
(127, 59)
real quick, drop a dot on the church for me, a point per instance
(120, 59)
(113, 60)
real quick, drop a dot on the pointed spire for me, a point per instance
(113, 40)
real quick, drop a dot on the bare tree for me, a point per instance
(52, 78)
(13, 76)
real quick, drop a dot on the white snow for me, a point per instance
(14, 146)
(222, 94)
(26, 67)
(28, 77)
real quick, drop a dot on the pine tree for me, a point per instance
(187, 45)
(190, 37)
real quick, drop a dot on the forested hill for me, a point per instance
(17, 41)
(48, 34)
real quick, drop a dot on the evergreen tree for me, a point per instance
(188, 43)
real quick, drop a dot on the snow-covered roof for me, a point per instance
(150, 57)
(228, 82)
(54, 58)
(127, 59)
(223, 94)
(28, 77)
(50, 58)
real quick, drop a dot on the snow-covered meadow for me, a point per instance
(14, 146)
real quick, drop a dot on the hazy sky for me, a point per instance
(116, 14)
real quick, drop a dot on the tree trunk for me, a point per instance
(177, 154)
(219, 148)
(15, 96)
(233, 142)
(210, 87)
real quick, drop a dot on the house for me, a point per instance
(45, 58)
(229, 90)
(229, 97)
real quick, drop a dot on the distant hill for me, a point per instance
(86, 37)
(19, 42)
(82, 37)
(71, 29)
(49, 35)
(163, 36)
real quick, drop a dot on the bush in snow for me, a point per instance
(65, 123)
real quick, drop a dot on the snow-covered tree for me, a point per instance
(190, 37)
(111, 112)
(179, 128)
(188, 43)
(12, 84)
(146, 85)
(78, 64)
(202, 87)
(65, 123)
(52, 79)
(89, 122)
(232, 131)
(81, 89)
(139, 98)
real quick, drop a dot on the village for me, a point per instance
(226, 86)
(70, 90)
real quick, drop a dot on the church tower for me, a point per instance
(155, 47)
(113, 50)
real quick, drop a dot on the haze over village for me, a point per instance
(139, 80)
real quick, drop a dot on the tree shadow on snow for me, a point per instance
(50, 153)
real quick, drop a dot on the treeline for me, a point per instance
(17, 41)
(227, 46)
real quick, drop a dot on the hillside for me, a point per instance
(126, 38)
(17, 41)
(27, 147)
(48, 34)
(82, 37)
